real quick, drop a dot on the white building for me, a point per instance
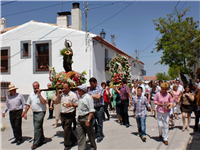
(25, 48)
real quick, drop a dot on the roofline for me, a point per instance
(106, 43)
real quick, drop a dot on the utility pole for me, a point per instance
(86, 12)
(136, 54)
(61, 6)
(86, 35)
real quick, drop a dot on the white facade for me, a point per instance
(22, 72)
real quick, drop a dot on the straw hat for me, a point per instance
(11, 87)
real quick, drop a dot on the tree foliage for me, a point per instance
(162, 76)
(174, 72)
(180, 41)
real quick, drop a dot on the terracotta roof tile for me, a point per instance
(8, 29)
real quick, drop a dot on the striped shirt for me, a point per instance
(15, 102)
(124, 92)
(139, 105)
(97, 90)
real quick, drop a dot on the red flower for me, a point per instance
(58, 82)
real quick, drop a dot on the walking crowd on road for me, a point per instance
(166, 100)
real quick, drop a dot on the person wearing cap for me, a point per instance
(85, 118)
(16, 104)
(38, 101)
(69, 102)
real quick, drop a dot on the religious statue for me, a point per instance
(67, 57)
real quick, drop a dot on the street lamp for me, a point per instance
(102, 35)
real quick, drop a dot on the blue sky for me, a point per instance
(133, 26)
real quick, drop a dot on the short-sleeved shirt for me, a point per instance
(159, 98)
(34, 100)
(50, 94)
(139, 105)
(97, 90)
(15, 102)
(180, 88)
(85, 105)
(68, 98)
(153, 93)
(124, 92)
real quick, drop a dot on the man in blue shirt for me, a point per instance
(96, 92)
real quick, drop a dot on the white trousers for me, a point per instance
(163, 122)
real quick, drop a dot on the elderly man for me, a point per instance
(15, 103)
(69, 102)
(85, 118)
(96, 92)
(38, 101)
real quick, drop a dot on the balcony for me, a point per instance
(143, 72)
(107, 61)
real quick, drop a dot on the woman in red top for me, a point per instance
(106, 99)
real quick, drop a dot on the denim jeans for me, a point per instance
(99, 115)
(141, 124)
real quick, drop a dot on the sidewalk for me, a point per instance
(116, 136)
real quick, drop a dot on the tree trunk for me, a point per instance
(183, 79)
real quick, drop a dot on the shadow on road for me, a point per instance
(156, 138)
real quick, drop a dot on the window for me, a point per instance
(106, 53)
(25, 49)
(4, 90)
(42, 56)
(5, 60)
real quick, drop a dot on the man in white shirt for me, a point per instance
(69, 102)
(38, 101)
(142, 86)
(85, 118)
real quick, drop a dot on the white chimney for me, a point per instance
(63, 19)
(76, 17)
(3, 23)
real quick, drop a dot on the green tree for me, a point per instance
(173, 72)
(179, 42)
(162, 76)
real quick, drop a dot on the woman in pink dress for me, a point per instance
(176, 94)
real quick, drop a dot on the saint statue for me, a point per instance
(67, 59)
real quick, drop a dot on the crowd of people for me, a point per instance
(165, 100)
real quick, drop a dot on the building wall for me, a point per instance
(99, 64)
(22, 69)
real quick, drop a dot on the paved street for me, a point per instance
(116, 136)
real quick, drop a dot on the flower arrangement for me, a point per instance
(75, 80)
(43, 67)
(119, 67)
(3, 68)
